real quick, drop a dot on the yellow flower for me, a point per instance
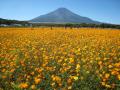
(117, 64)
(105, 58)
(57, 79)
(70, 87)
(37, 80)
(77, 66)
(87, 72)
(23, 85)
(75, 77)
(100, 62)
(28, 77)
(107, 86)
(103, 83)
(52, 84)
(110, 66)
(107, 75)
(71, 60)
(3, 70)
(118, 77)
(32, 73)
(33, 87)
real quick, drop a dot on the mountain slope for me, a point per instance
(62, 15)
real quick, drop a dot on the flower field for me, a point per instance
(59, 59)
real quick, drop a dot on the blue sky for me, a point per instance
(100, 10)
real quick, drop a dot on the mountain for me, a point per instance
(62, 15)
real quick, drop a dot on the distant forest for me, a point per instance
(71, 25)
(10, 22)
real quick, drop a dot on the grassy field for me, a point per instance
(59, 59)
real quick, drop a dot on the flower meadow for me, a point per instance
(59, 59)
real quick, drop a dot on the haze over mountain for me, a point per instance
(62, 15)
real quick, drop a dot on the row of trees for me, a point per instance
(70, 25)
(10, 22)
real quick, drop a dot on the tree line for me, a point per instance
(65, 25)
(10, 22)
(73, 25)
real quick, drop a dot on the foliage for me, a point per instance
(10, 22)
(77, 25)
(65, 25)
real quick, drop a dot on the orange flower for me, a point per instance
(3, 70)
(12, 70)
(32, 73)
(71, 60)
(23, 85)
(37, 80)
(107, 75)
(100, 62)
(114, 72)
(3, 77)
(56, 78)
